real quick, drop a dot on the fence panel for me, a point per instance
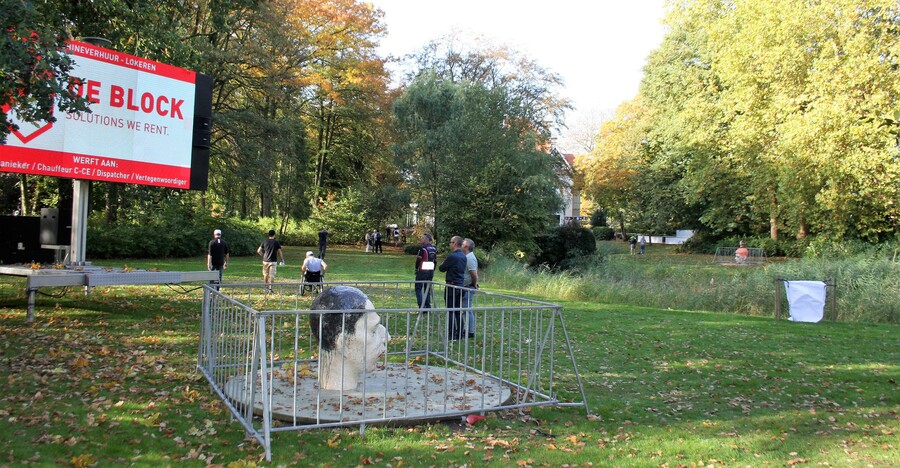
(260, 354)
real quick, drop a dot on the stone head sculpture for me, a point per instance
(350, 343)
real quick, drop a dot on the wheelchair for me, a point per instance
(312, 282)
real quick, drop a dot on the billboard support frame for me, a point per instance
(81, 192)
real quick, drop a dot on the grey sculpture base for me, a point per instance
(397, 391)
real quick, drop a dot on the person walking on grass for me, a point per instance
(323, 242)
(217, 255)
(271, 252)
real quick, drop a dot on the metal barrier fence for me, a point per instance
(731, 256)
(259, 355)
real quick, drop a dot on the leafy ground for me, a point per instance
(110, 379)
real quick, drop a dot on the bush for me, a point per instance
(598, 218)
(411, 249)
(564, 246)
(604, 233)
(701, 242)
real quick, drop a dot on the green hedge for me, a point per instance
(170, 238)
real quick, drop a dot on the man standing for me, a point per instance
(323, 242)
(271, 252)
(455, 267)
(217, 254)
(377, 241)
(468, 247)
(425, 260)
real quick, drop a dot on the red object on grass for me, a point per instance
(474, 418)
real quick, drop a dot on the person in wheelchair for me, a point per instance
(313, 271)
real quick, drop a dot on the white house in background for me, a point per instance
(571, 196)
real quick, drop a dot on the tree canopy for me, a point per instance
(762, 116)
(470, 161)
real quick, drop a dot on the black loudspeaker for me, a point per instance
(56, 226)
(19, 242)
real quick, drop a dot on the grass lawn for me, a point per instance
(110, 379)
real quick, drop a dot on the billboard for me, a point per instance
(149, 125)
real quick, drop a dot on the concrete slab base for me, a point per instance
(397, 391)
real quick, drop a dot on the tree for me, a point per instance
(767, 116)
(458, 58)
(35, 68)
(469, 159)
(610, 171)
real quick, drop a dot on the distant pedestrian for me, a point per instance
(323, 242)
(377, 241)
(217, 255)
(632, 242)
(271, 252)
(643, 244)
(368, 241)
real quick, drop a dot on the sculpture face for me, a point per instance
(368, 342)
(350, 342)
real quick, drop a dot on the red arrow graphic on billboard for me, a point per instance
(26, 136)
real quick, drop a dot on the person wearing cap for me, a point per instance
(217, 254)
(271, 252)
(313, 268)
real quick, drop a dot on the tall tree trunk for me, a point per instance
(112, 203)
(34, 199)
(244, 207)
(265, 204)
(773, 219)
(804, 227)
(325, 136)
(23, 194)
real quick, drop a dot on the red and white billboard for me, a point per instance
(149, 125)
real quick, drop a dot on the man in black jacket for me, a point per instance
(455, 267)
(425, 261)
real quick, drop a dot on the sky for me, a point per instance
(598, 46)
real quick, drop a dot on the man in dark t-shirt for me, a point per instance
(271, 252)
(217, 254)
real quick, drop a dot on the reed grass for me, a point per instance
(868, 286)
